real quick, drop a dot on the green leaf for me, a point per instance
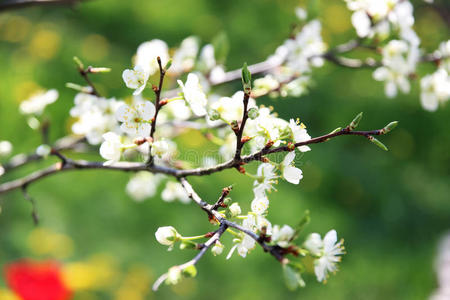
(378, 143)
(246, 79)
(292, 278)
(355, 121)
(389, 127)
(221, 47)
(303, 222)
(78, 63)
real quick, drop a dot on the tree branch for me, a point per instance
(16, 4)
(134, 166)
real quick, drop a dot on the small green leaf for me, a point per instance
(78, 63)
(378, 143)
(292, 278)
(336, 130)
(389, 127)
(246, 79)
(355, 121)
(168, 65)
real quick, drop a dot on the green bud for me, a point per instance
(190, 271)
(378, 143)
(336, 130)
(355, 121)
(213, 114)
(292, 278)
(227, 201)
(389, 127)
(77, 87)
(188, 245)
(246, 79)
(78, 63)
(99, 70)
(253, 113)
(168, 65)
(303, 222)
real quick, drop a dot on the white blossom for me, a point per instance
(235, 209)
(159, 148)
(37, 103)
(167, 235)
(147, 53)
(260, 205)
(282, 236)
(194, 95)
(290, 172)
(2, 170)
(299, 134)
(111, 148)
(267, 175)
(264, 85)
(328, 250)
(143, 185)
(173, 191)
(435, 89)
(217, 249)
(136, 119)
(184, 57)
(5, 148)
(207, 59)
(232, 108)
(399, 61)
(95, 116)
(135, 79)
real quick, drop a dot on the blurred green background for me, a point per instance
(391, 207)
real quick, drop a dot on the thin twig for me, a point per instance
(34, 213)
(157, 90)
(16, 4)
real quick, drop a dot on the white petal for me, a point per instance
(143, 129)
(292, 174)
(429, 101)
(329, 240)
(147, 110)
(289, 158)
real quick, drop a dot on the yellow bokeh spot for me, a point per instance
(193, 139)
(7, 295)
(99, 272)
(44, 44)
(45, 242)
(337, 18)
(94, 47)
(15, 29)
(186, 287)
(24, 89)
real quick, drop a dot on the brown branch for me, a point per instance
(239, 142)
(134, 167)
(16, 4)
(157, 90)
(85, 74)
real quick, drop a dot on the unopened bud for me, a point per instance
(139, 141)
(227, 201)
(213, 115)
(245, 139)
(355, 121)
(241, 170)
(291, 146)
(389, 127)
(234, 126)
(378, 143)
(168, 65)
(235, 209)
(264, 159)
(190, 271)
(217, 249)
(253, 113)
(163, 102)
(246, 79)
(269, 144)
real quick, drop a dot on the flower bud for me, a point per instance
(355, 121)
(167, 235)
(235, 209)
(5, 148)
(214, 115)
(253, 113)
(217, 249)
(190, 271)
(246, 79)
(174, 275)
(378, 143)
(389, 127)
